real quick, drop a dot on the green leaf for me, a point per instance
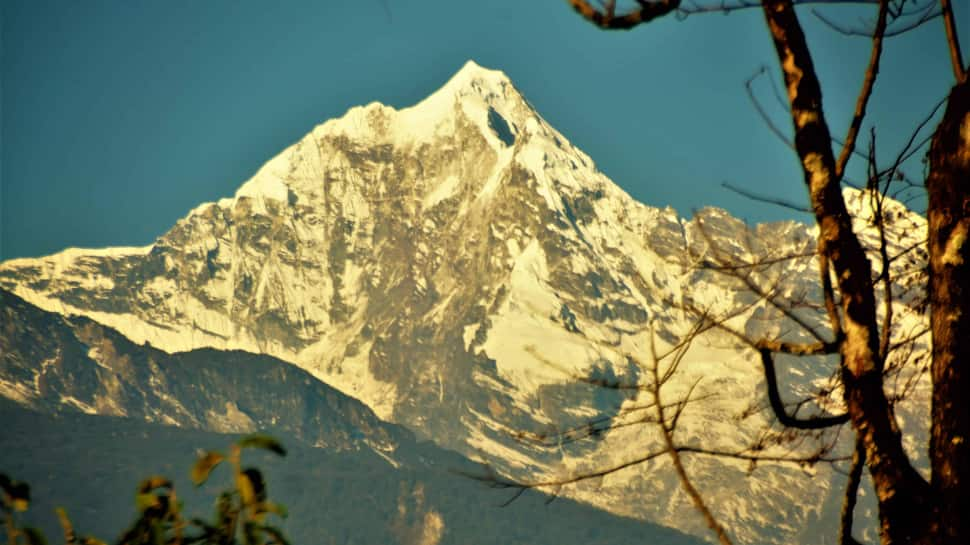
(264, 442)
(204, 466)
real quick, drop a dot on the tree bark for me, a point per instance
(910, 509)
(902, 493)
(948, 215)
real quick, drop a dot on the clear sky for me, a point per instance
(119, 116)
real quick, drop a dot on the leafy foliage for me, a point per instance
(241, 516)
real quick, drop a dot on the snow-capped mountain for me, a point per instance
(460, 267)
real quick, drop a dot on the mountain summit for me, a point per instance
(372, 221)
(459, 266)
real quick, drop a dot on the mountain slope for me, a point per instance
(348, 478)
(333, 497)
(458, 266)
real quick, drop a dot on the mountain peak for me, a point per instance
(472, 72)
(473, 80)
(474, 90)
(485, 97)
(473, 84)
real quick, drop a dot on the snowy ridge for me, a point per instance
(458, 266)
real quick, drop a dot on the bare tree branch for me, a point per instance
(607, 19)
(727, 6)
(764, 115)
(774, 397)
(764, 262)
(915, 20)
(493, 480)
(868, 83)
(766, 199)
(666, 431)
(871, 354)
(768, 295)
(953, 41)
(851, 494)
(877, 198)
(900, 488)
(825, 272)
(759, 457)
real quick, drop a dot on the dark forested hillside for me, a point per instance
(348, 479)
(91, 464)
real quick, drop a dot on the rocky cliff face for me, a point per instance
(460, 267)
(56, 364)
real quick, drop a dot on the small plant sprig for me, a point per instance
(240, 518)
(15, 500)
(246, 507)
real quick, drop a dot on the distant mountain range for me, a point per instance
(458, 267)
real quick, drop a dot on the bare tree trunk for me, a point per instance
(948, 186)
(902, 493)
(910, 509)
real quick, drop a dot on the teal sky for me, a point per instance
(118, 117)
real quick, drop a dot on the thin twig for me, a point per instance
(872, 71)
(765, 199)
(667, 433)
(851, 494)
